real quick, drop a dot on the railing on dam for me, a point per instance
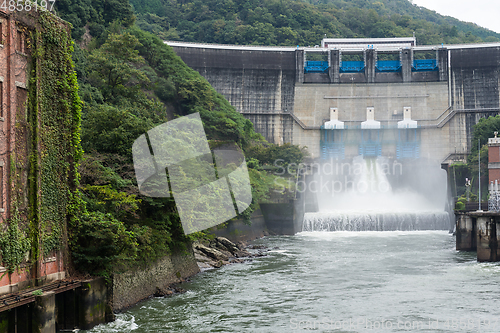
(316, 67)
(352, 66)
(423, 65)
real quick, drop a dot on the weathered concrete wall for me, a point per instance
(259, 84)
(92, 303)
(428, 101)
(263, 83)
(131, 287)
(240, 231)
(465, 233)
(475, 75)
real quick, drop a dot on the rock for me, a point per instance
(210, 252)
(201, 257)
(242, 254)
(217, 264)
(179, 290)
(241, 245)
(224, 244)
(160, 292)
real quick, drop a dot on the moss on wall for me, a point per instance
(43, 174)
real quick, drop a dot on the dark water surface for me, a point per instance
(392, 281)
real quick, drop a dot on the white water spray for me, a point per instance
(376, 194)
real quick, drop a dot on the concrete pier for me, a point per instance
(44, 313)
(93, 303)
(479, 231)
(466, 233)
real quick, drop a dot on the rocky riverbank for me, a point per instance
(221, 251)
(214, 254)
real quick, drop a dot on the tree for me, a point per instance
(114, 66)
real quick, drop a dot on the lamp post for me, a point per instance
(479, 170)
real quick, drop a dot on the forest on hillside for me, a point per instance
(129, 82)
(295, 22)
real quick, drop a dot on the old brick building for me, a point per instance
(29, 221)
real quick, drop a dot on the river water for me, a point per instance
(390, 281)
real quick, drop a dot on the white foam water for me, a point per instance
(376, 221)
(367, 200)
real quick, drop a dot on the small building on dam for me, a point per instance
(351, 97)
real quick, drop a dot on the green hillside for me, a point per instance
(288, 22)
(405, 7)
(130, 82)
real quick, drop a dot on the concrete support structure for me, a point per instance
(370, 62)
(406, 64)
(300, 60)
(487, 239)
(442, 62)
(44, 313)
(479, 231)
(334, 70)
(92, 303)
(466, 233)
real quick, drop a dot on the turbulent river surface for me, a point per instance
(391, 281)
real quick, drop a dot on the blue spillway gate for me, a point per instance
(331, 149)
(423, 65)
(369, 146)
(352, 66)
(388, 65)
(316, 67)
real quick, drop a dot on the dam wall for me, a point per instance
(276, 89)
(259, 83)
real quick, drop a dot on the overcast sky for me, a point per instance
(485, 13)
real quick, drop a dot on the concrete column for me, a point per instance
(487, 244)
(92, 303)
(67, 310)
(370, 62)
(4, 322)
(299, 66)
(465, 233)
(44, 313)
(442, 63)
(23, 318)
(497, 231)
(406, 64)
(334, 70)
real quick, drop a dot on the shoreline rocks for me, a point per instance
(221, 251)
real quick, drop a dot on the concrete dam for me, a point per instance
(441, 91)
(392, 110)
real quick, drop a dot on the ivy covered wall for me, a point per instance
(42, 173)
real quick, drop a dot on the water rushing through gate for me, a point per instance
(373, 194)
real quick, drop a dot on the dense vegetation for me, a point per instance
(483, 130)
(130, 82)
(294, 22)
